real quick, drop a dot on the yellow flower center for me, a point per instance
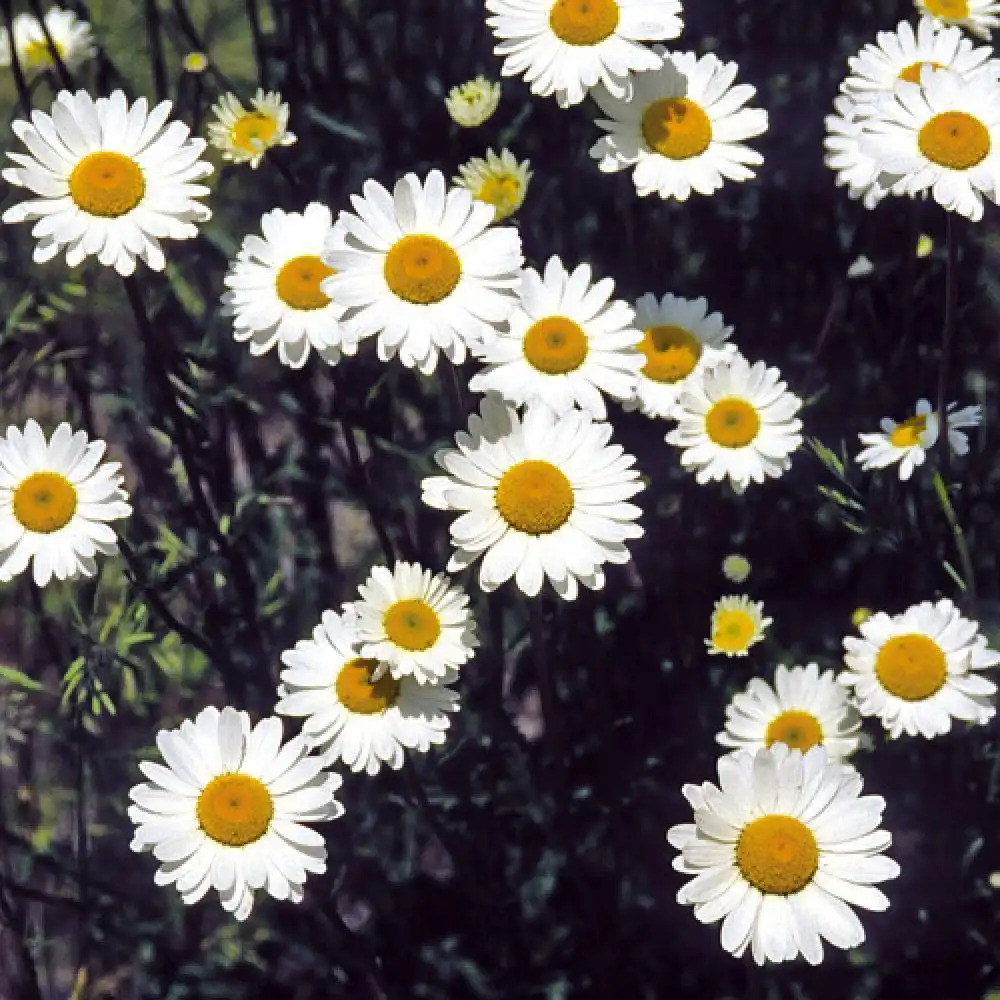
(733, 631)
(777, 855)
(912, 72)
(956, 9)
(412, 624)
(907, 434)
(534, 497)
(555, 345)
(503, 193)
(676, 128)
(671, 353)
(954, 139)
(298, 282)
(584, 22)
(37, 53)
(360, 694)
(45, 502)
(235, 809)
(422, 269)
(798, 730)
(732, 423)
(254, 131)
(107, 184)
(911, 667)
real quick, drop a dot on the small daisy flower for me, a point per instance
(351, 716)
(55, 503)
(924, 247)
(917, 671)
(472, 103)
(422, 269)
(564, 47)
(230, 810)
(543, 497)
(736, 568)
(195, 62)
(737, 624)
(854, 169)
(979, 17)
(737, 421)
(860, 615)
(73, 40)
(566, 342)
(500, 181)
(111, 179)
(243, 136)
(682, 129)
(777, 851)
(415, 621)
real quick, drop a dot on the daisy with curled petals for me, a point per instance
(55, 503)
(566, 342)
(681, 129)
(500, 181)
(244, 136)
(737, 421)
(919, 670)
(737, 624)
(854, 169)
(777, 851)
(543, 497)
(422, 269)
(72, 38)
(354, 710)
(473, 102)
(230, 810)
(564, 47)
(979, 17)
(415, 621)
(804, 709)
(112, 180)
(274, 291)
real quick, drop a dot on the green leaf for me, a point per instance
(14, 676)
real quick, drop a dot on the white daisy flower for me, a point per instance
(274, 292)
(72, 38)
(349, 715)
(564, 47)
(681, 129)
(472, 103)
(500, 181)
(415, 621)
(681, 338)
(737, 624)
(229, 811)
(243, 136)
(779, 849)
(854, 169)
(544, 497)
(738, 421)
(804, 708)
(979, 17)
(566, 342)
(55, 503)
(916, 671)
(112, 180)
(422, 269)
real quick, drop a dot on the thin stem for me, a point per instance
(23, 94)
(941, 489)
(543, 668)
(367, 497)
(156, 49)
(947, 336)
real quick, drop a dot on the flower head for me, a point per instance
(72, 38)
(737, 624)
(736, 568)
(473, 102)
(499, 181)
(979, 17)
(244, 136)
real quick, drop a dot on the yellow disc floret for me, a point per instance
(235, 809)
(952, 10)
(912, 72)
(584, 22)
(676, 128)
(412, 624)
(44, 502)
(732, 423)
(360, 694)
(733, 631)
(298, 282)
(422, 269)
(555, 345)
(671, 353)
(534, 497)
(254, 131)
(777, 855)
(798, 730)
(907, 433)
(38, 54)
(107, 184)
(911, 667)
(955, 140)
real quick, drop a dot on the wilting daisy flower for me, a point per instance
(680, 339)
(544, 497)
(917, 671)
(422, 269)
(500, 181)
(73, 40)
(229, 811)
(736, 568)
(979, 17)
(565, 343)
(274, 292)
(112, 180)
(779, 849)
(563, 47)
(244, 136)
(682, 129)
(472, 103)
(415, 621)
(737, 624)
(55, 503)
(354, 709)
(737, 420)
(854, 169)
(804, 708)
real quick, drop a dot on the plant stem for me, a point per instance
(941, 489)
(947, 336)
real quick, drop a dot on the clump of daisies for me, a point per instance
(500, 181)
(72, 38)
(472, 103)
(737, 624)
(244, 135)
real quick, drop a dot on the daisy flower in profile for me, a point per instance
(777, 851)
(979, 17)
(680, 339)
(243, 136)
(274, 293)
(72, 38)
(500, 181)
(230, 810)
(473, 102)
(736, 568)
(542, 497)
(804, 709)
(354, 710)
(415, 621)
(737, 624)
(56, 500)
(564, 47)
(682, 128)
(917, 671)
(737, 421)
(565, 344)
(111, 179)
(854, 169)
(422, 269)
